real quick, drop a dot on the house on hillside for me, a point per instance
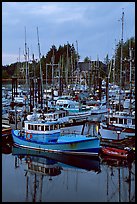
(88, 73)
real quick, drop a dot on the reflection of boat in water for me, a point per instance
(84, 162)
(114, 161)
(42, 167)
(120, 178)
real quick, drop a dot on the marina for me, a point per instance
(90, 144)
(68, 126)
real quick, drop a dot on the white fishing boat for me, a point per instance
(118, 125)
(98, 107)
(76, 110)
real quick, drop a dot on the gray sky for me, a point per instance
(96, 26)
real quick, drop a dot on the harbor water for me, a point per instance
(28, 176)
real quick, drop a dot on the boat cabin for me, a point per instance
(122, 118)
(42, 126)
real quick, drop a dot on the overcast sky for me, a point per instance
(96, 26)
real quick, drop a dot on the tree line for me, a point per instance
(68, 58)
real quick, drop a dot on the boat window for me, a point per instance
(35, 168)
(51, 127)
(35, 127)
(60, 125)
(55, 127)
(42, 127)
(133, 121)
(42, 169)
(46, 128)
(120, 121)
(28, 126)
(113, 119)
(125, 121)
(39, 127)
(129, 121)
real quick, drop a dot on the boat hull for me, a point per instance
(73, 144)
(115, 133)
(6, 135)
(100, 111)
(117, 153)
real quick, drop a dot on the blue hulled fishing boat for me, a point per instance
(70, 144)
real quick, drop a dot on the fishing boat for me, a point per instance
(46, 134)
(117, 153)
(118, 125)
(97, 107)
(51, 124)
(76, 111)
(68, 144)
(56, 115)
(61, 116)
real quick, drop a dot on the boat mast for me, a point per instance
(130, 76)
(19, 67)
(28, 69)
(34, 81)
(78, 77)
(72, 68)
(114, 67)
(26, 61)
(41, 74)
(121, 60)
(67, 69)
(52, 59)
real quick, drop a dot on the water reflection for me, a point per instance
(51, 177)
(120, 175)
(45, 164)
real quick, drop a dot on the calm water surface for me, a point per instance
(28, 176)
